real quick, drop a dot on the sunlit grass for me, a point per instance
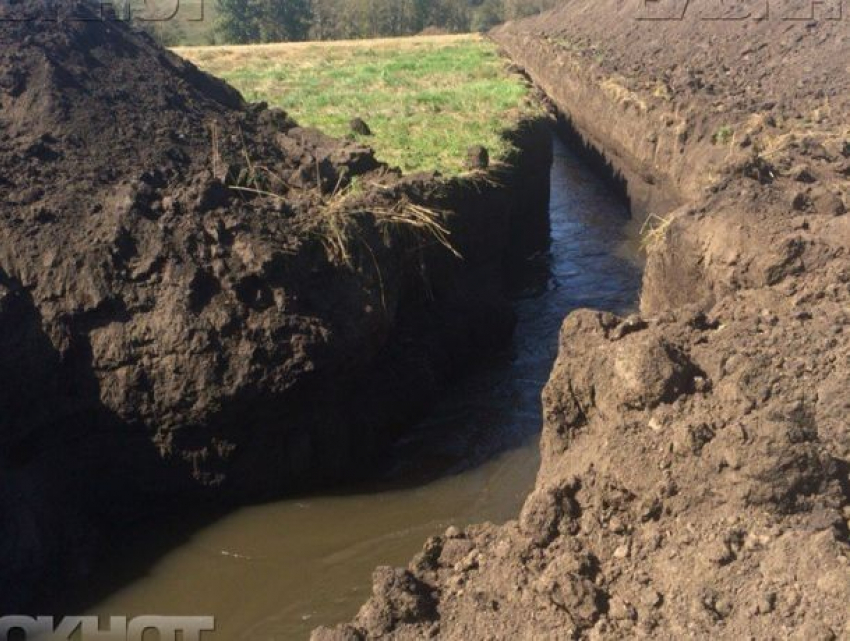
(426, 99)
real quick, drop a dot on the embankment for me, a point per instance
(199, 304)
(694, 481)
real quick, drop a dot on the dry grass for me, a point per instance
(654, 231)
(234, 54)
(336, 226)
(335, 213)
(341, 207)
(617, 90)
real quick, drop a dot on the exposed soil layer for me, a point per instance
(201, 300)
(694, 481)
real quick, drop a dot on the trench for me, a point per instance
(277, 571)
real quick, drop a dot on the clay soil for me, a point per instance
(694, 481)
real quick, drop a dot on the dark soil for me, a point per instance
(193, 308)
(695, 457)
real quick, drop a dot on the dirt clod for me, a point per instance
(359, 127)
(477, 158)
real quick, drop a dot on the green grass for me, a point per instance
(426, 99)
(723, 135)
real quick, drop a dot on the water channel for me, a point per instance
(276, 571)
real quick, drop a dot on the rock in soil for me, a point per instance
(359, 126)
(477, 158)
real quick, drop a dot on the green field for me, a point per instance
(426, 99)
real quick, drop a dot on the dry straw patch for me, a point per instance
(617, 90)
(654, 230)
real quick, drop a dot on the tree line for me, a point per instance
(257, 21)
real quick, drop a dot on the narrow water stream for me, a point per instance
(279, 570)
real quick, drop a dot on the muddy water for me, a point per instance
(277, 571)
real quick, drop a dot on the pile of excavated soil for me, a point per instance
(141, 298)
(133, 229)
(194, 305)
(695, 480)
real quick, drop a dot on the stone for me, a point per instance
(800, 201)
(477, 158)
(802, 174)
(360, 127)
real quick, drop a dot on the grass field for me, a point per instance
(427, 99)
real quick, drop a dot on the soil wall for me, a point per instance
(444, 310)
(65, 494)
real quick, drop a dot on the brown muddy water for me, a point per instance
(275, 572)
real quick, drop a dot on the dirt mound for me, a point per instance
(197, 302)
(695, 468)
(96, 111)
(791, 64)
(150, 218)
(675, 501)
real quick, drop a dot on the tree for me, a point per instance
(516, 9)
(285, 20)
(488, 15)
(239, 21)
(451, 15)
(324, 23)
(246, 21)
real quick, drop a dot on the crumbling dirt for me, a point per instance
(694, 481)
(201, 300)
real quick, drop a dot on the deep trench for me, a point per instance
(279, 570)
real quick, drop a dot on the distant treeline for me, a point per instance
(253, 21)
